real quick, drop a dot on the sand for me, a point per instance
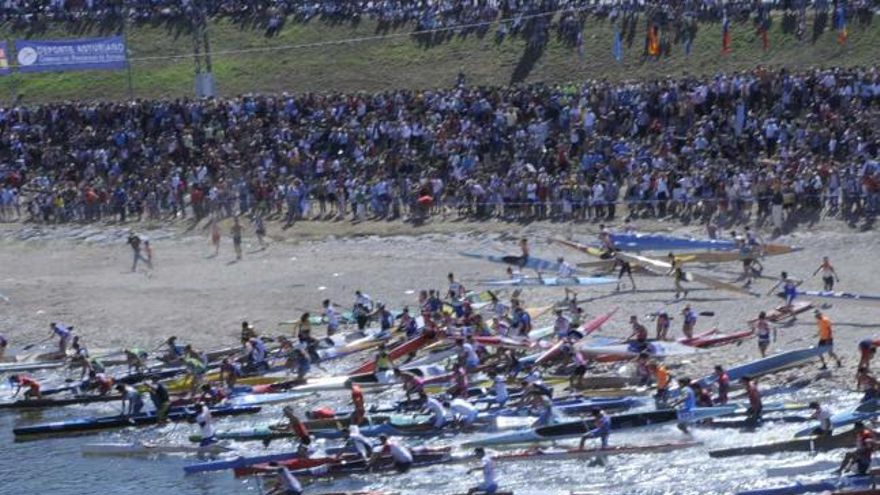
(81, 276)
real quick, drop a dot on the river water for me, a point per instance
(56, 465)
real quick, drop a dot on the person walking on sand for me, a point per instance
(236, 238)
(829, 275)
(826, 338)
(215, 237)
(763, 331)
(260, 230)
(134, 241)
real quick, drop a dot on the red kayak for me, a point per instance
(784, 312)
(398, 352)
(299, 463)
(585, 330)
(720, 339)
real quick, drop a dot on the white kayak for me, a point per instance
(550, 281)
(266, 399)
(150, 448)
(801, 468)
(655, 349)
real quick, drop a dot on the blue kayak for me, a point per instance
(531, 262)
(238, 462)
(656, 242)
(827, 485)
(770, 364)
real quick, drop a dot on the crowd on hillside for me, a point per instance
(732, 145)
(422, 14)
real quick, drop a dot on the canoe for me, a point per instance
(770, 364)
(266, 399)
(575, 429)
(830, 484)
(237, 462)
(45, 403)
(662, 267)
(550, 281)
(814, 444)
(568, 454)
(838, 420)
(628, 351)
(86, 425)
(842, 296)
(532, 262)
(149, 448)
(423, 457)
(24, 367)
(720, 339)
(801, 468)
(395, 424)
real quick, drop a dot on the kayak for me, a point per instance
(85, 425)
(784, 312)
(658, 242)
(842, 296)
(801, 468)
(813, 444)
(585, 330)
(531, 262)
(550, 281)
(830, 484)
(839, 420)
(578, 428)
(149, 448)
(576, 406)
(424, 457)
(398, 352)
(770, 364)
(237, 462)
(22, 367)
(719, 339)
(45, 403)
(631, 351)
(372, 426)
(567, 454)
(266, 399)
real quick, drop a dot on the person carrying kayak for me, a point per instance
(823, 415)
(296, 359)
(211, 394)
(256, 356)
(161, 399)
(867, 350)
(400, 455)
(866, 444)
(357, 400)
(135, 359)
(623, 267)
(499, 389)
(21, 381)
(65, 336)
(412, 383)
(463, 412)
(383, 365)
(99, 381)
(435, 408)
(467, 355)
(195, 372)
(132, 400)
(206, 425)
(829, 275)
(487, 466)
(355, 443)
(763, 331)
(723, 381)
(826, 338)
(600, 428)
(676, 270)
(174, 353)
(756, 406)
(687, 403)
(638, 339)
(564, 270)
(230, 372)
(789, 288)
(867, 383)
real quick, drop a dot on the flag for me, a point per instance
(840, 24)
(725, 35)
(653, 41)
(617, 49)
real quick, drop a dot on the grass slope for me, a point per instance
(399, 61)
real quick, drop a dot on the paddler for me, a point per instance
(823, 415)
(257, 356)
(723, 381)
(135, 359)
(467, 354)
(829, 275)
(763, 331)
(286, 483)
(826, 338)
(689, 321)
(357, 400)
(561, 325)
(704, 398)
(132, 400)
(206, 425)
(296, 360)
(21, 381)
(789, 288)
(600, 427)
(195, 372)
(355, 443)
(400, 455)
(99, 381)
(386, 321)
(455, 290)
(295, 426)
(866, 382)
(331, 317)
(383, 365)
(412, 383)
(867, 351)
(435, 408)
(65, 335)
(521, 323)
(487, 465)
(607, 242)
(499, 389)
(90, 365)
(161, 399)
(662, 326)
(678, 274)
(662, 377)
(460, 383)
(211, 395)
(623, 267)
(756, 406)
(174, 353)
(564, 270)
(230, 371)
(248, 332)
(866, 443)
(687, 404)
(463, 412)
(638, 339)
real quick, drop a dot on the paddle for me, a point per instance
(31, 346)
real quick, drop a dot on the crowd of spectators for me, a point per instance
(731, 145)
(419, 14)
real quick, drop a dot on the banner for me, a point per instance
(4, 59)
(74, 54)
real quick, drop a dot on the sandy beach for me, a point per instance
(81, 276)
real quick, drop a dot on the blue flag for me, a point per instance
(617, 49)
